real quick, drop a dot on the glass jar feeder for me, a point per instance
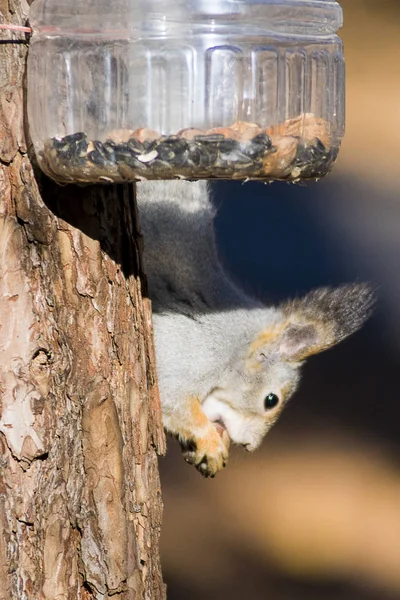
(158, 89)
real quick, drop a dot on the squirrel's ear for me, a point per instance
(323, 318)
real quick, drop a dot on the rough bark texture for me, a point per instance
(80, 424)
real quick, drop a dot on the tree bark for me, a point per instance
(80, 420)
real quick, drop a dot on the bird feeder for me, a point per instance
(161, 89)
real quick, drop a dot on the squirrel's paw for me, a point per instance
(208, 452)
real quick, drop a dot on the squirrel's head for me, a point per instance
(254, 390)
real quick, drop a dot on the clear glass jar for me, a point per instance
(161, 89)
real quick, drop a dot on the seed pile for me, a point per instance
(298, 149)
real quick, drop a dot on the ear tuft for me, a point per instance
(324, 317)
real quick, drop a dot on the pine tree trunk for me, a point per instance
(80, 423)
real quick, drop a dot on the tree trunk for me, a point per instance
(80, 424)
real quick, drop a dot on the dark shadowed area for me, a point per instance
(315, 513)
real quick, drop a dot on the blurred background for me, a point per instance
(315, 513)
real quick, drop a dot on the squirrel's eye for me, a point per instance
(271, 401)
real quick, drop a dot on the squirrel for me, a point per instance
(227, 364)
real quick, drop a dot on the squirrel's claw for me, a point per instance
(209, 453)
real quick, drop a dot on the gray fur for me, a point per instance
(346, 307)
(205, 327)
(180, 253)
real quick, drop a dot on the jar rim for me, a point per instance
(299, 16)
